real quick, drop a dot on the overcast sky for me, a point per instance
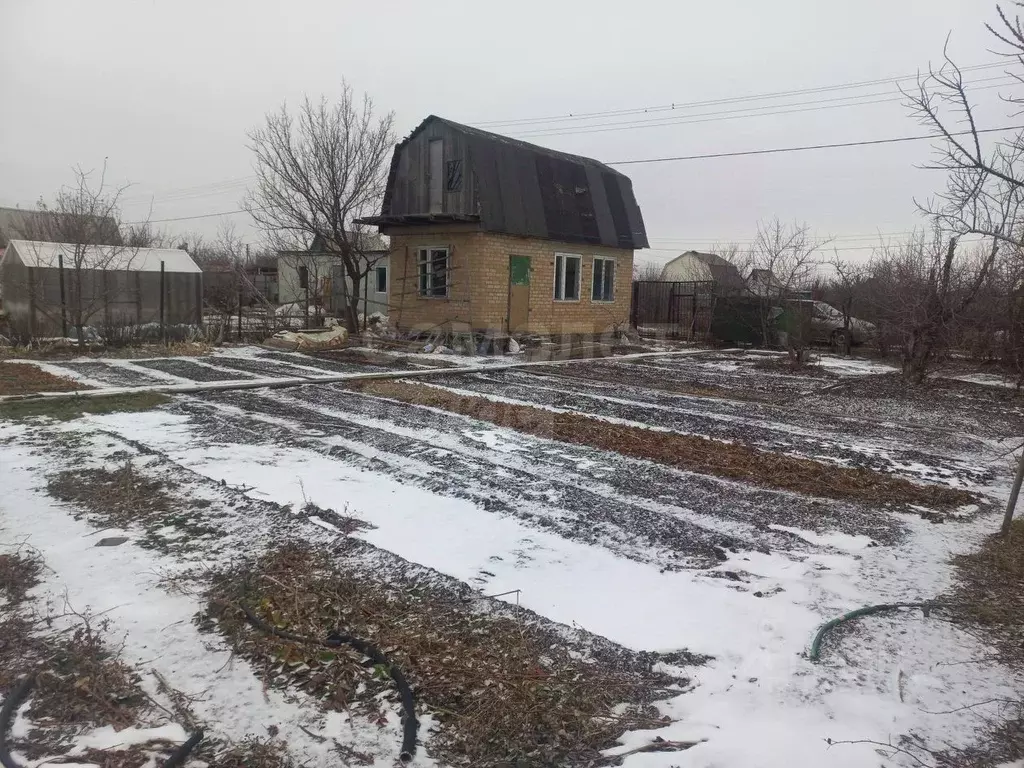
(166, 89)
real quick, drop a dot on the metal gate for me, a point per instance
(677, 310)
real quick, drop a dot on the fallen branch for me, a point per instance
(17, 698)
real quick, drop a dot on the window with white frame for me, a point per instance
(433, 272)
(603, 286)
(381, 282)
(567, 276)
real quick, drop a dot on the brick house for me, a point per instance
(491, 234)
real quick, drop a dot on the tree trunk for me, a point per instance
(352, 310)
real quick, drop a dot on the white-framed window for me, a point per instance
(433, 272)
(380, 279)
(603, 283)
(567, 276)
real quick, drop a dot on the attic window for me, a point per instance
(454, 175)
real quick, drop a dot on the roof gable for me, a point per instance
(515, 188)
(24, 223)
(33, 253)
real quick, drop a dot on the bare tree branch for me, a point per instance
(317, 171)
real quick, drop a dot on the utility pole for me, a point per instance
(163, 311)
(63, 295)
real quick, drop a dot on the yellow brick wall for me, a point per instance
(478, 296)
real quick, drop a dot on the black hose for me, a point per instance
(336, 639)
(7, 712)
(181, 754)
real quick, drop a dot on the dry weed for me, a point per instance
(253, 752)
(500, 688)
(688, 452)
(26, 379)
(990, 590)
(117, 498)
(85, 683)
(19, 572)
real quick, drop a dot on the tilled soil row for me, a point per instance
(574, 512)
(725, 423)
(465, 655)
(737, 462)
(550, 466)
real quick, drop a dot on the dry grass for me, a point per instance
(68, 352)
(728, 460)
(27, 379)
(115, 498)
(253, 752)
(990, 590)
(501, 689)
(67, 408)
(19, 572)
(80, 682)
(989, 594)
(84, 683)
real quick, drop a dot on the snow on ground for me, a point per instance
(988, 379)
(760, 702)
(760, 696)
(854, 366)
(122, 584)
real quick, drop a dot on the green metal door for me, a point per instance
(518, 293)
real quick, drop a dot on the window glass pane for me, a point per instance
(439, 272)
(382, 279)
(609, 281)
(597, 282)
(572, 278)
(559, 277)
(424, 274)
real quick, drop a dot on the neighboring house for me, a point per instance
(317, 276)
(496, 235)
(24, 224)
(119, 285)
(762, 282)
(694, 266)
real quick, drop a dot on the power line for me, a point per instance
(189, 218)
(710, 156)
(712, 117)
(808, 147)
(728, 100)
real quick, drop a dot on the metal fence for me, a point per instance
(679, 310)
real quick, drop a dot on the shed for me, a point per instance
(107, 285)
(694, 266)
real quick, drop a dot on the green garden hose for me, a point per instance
(865, 611)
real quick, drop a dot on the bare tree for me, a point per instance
(648, 271)
(777, 269)
(86, 219)
(984, 185)
(843, 291)
(921, 291)
(317, 172)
